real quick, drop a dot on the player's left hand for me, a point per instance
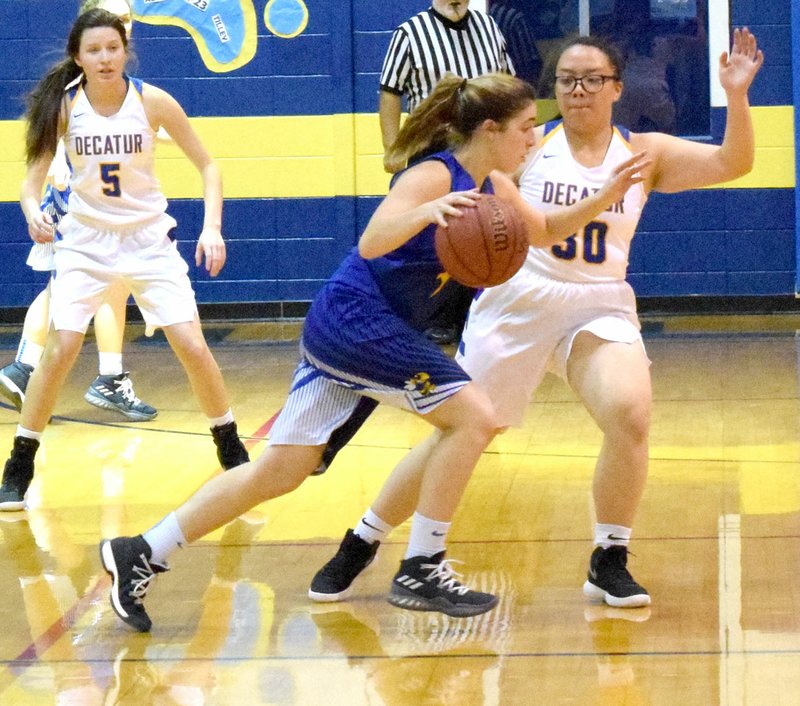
(737, 70)
(210, 246)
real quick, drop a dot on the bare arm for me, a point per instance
(389, 110)
(546, 229)
(420, 197)
(680, 164)
(165, 112)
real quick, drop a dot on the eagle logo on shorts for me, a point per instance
(421, 382)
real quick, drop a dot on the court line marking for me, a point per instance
(426, 655)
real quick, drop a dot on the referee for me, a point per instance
(447, 37)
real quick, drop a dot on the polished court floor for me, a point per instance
(717, 543)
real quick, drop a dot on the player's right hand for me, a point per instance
(41, 228)
(451, 205)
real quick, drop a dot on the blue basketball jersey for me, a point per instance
(411, 279)
(367, 320)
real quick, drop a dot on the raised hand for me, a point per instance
(738, 69)
(625, 175)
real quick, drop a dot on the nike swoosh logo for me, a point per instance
(592, 573)
(547, 156)
(615, 538)
(438, 534)
(78, 115)
(369, 525)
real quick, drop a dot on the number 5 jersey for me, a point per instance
(113, 181)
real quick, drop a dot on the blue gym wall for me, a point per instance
(295, 208)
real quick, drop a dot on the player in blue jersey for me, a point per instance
(363, 337)
(569, 309)
(112, 389)
(117, 230)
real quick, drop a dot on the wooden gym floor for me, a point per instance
(716, 543)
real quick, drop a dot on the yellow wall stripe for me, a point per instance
(341, 155)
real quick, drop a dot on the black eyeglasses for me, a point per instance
(593, 83)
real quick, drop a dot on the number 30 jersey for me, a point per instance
(554, 179)
(113, 179)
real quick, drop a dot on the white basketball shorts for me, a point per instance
(145, 258)
(518, 331)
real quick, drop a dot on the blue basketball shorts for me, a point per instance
(353, 346)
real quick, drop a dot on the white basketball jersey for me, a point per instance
(554, 179)
(113, 163)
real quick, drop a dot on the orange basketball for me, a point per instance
(485, 246)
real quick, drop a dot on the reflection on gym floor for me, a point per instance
(716, 543)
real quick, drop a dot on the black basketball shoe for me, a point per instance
(429, 583)
(609, 580)
(230, 449)
(18, 474)
(127, 561)
(332, 582)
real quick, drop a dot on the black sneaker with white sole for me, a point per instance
(332, 582)
(429, 583)
(610, 581)
(18, 474)
(127, 561)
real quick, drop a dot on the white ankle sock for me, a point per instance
(226, 418)
(28, 434)
(164, 538)
(29, 352)
(372, 528)
(427, 537)
(611, 535)
(109, 363)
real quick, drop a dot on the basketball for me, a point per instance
(485, 246)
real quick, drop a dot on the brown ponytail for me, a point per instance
(456, 108)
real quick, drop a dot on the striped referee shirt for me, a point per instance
(428, 45)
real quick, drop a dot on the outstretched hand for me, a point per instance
(738, 69)
(624, 176)
(210, 246)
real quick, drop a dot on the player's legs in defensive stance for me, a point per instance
(62, 349)
(425, 580)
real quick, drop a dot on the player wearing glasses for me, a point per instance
(569, 309)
